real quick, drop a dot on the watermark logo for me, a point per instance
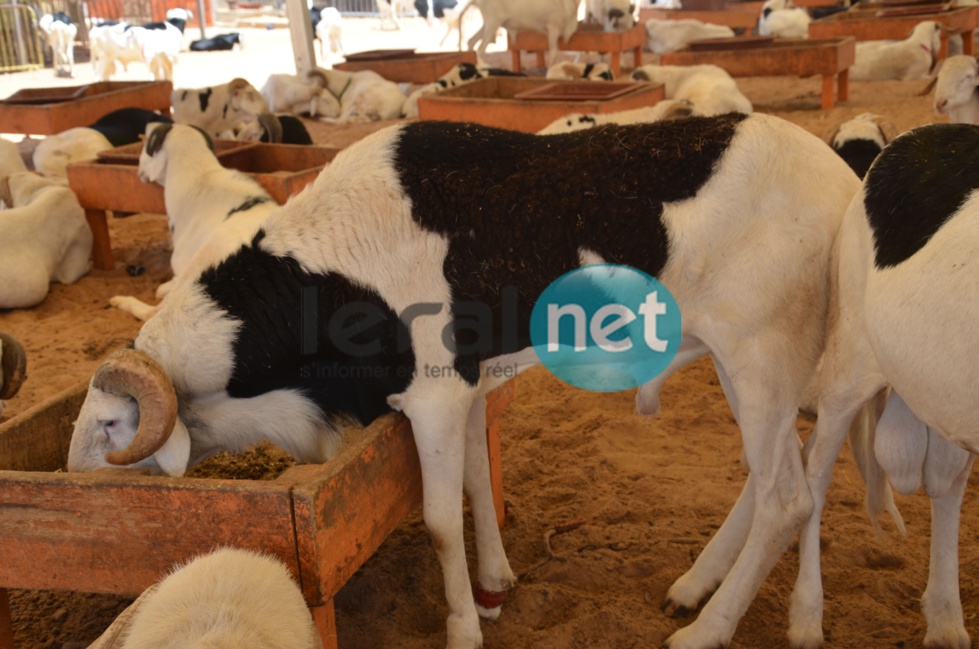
(606, 327)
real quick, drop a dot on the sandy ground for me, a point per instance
(648, 492)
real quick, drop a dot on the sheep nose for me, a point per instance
(615, 13)
(940, 105)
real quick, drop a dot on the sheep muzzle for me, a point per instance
(133, 373)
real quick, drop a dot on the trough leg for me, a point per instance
(541, 63)
(101, 247)
(515, 53)
(843, 85)
(968, 45)
(617, 63)
(325, 621)
(637, 57)
(6, 622)
(829, 89)
(943, 50)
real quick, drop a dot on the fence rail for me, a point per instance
(20, 39)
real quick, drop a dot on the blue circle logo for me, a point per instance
(605, 327)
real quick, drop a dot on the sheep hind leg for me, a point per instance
(766, 413)
(717, 558)
(439, 416)
(134, 307)
(941, 602)
(495, 576)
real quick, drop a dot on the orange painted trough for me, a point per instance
(829, 58)
(526, 104)
(45, 111)
(119, 532)
(872, 22)
(110, 183)
(406, 66)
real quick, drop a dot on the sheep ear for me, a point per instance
(887, 130)
(272, 127)
(639, 75)
(155, 141)
(174, 456)
(831, 134)
(6, 197)
(931, 86)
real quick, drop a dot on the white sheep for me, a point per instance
(345, 299)
(11, 161)
(570, 71)
(53, 154)
(665, 109)
(783, 19)
(13, 368)
(363, 96)
(44, 238)
(556, 18)
(461, 74)
(329, 31)
(955, 89)
(612, 15)
(60, 32)
(664, 36)
(226, 598)
(155, 44)
(212, 210)
(218, 109)
(709, 88)
(912, 58)
(860, 140)
(297, 95)
(905, 298)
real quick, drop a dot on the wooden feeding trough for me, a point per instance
(526, 104)
(119, 532)
(829, 58)
(406, 66)
(874, 22)
(110, 182)
(588, 38)
(45, 111)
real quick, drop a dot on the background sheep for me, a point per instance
(228, 598)
(566, 70)
(912, 58)
(674, 35)
(218, 109)
(665, 109)
(44, 238)
(612, 15)
(59, 33)
(783, 19)
(710, 89)
(955, 89)
(556, 18)
(860, 140)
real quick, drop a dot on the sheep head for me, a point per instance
(129, 418)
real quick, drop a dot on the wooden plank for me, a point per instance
(797, 58)
(346, 508)
(37, 439)
(119, 533)
(863, 25)
(6, 621)
(491, 102)
(325, 621)
(419, 67)
(102, 97)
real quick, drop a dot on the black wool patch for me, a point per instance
(337, 343)
(918, 182)
(859, 154)
(516, 208)
(205, 98)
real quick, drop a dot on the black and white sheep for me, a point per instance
(218, 109)
(345, 298)
(59, 33)
(274, 129)
(612, 15)
(781, 18)
(860, 140)
(217, 43)
(212, 210)
(903, 311)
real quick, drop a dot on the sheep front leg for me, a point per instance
(438, 418)
(495, 576)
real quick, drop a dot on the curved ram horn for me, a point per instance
(155, 141)
(13, 365)
(133, 373)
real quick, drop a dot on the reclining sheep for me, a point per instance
(912, 58)
(666, 109)
(212, 210)
(906, 294)
(955, 88)
(227, 598)
(218, 109)
(431, 215)
(860, 140)
(44, 238)
(710, 89)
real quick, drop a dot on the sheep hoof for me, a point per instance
(13, 365)
(675, 609)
